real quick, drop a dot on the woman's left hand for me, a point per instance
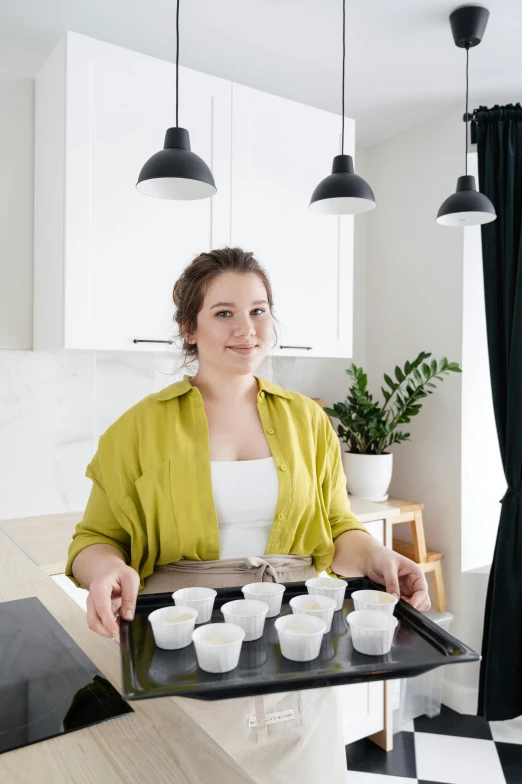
(402, 577)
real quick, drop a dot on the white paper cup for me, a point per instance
(320, 606)
(328, 586)
(201, 599)
(372, 631)
(300, 636)
(250, 614)
(173, 626)
(270, 593)
(374, 600)
(218, 646)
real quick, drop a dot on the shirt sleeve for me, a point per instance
(335, 493)
(99, 524)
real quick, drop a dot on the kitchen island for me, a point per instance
(157, 743)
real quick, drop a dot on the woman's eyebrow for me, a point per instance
(233, 304)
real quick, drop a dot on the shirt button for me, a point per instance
(261, 394)
(283, 467)
(280, 516)
(271, 431)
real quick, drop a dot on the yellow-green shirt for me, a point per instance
(152, 491)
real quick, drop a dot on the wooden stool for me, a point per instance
(429, 560)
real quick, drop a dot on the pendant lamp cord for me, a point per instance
(466, 115)
(177, 60)
(344, 57)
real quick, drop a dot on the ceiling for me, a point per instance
(402, 68)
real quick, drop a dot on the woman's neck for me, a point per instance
(226, 388)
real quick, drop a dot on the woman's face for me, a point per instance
(235, 314)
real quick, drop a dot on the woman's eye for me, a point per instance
(228, 311)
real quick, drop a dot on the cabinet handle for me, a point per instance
(308, 348)
(136, 340)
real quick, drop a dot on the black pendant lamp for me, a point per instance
(467, 207)
(343, 192)
(175, 172)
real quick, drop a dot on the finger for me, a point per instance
(115, 605)
(130, 582)
(391, 577)
(418, 600)
(94, 621)
(102, 603)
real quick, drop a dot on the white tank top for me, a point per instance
(245, 496)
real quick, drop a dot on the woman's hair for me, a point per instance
(191, 287)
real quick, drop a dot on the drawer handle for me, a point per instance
(308, 348)
(136, 340)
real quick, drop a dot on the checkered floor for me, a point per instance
(449, 749)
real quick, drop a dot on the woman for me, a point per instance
(224, 479)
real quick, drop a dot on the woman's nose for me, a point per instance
(246, 327)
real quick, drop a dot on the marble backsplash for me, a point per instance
(55, 405)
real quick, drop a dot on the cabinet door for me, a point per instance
(362, 704)
(362, 709)
(124, 250)
(280, 151)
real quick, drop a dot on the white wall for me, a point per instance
(414, 303)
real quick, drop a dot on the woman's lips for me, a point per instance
(249, 350)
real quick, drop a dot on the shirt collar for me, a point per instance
(182, 387)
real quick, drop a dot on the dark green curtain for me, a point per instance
(499, 146)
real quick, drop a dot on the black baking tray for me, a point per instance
(147, 671)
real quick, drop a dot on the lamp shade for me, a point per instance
(343, 192)
(467, 206)
(175, 172)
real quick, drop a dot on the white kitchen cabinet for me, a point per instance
(106, 256)
(280, 151)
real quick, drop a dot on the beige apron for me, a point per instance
(309, 747)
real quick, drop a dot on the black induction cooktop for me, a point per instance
(48, 686)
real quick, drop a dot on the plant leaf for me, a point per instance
(391, 384)
(399, 375)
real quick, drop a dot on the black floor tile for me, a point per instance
(449, 722)
(511, 760)
(366, 757)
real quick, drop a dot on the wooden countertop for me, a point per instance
(159, 742)
(45, 539)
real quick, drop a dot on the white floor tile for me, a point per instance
(457, 760)
(78, 594)
(355, 777)
(507, 731)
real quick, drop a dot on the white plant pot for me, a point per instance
(368, 476)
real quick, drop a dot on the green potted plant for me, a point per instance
(368, 429)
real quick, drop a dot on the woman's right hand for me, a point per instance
(113, 590)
